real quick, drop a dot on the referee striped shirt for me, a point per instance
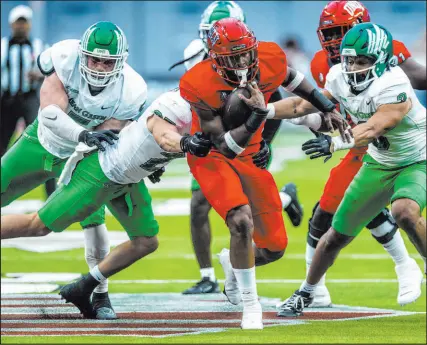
(17, 59)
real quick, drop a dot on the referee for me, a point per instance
(20, 77)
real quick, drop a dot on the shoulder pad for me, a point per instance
(64, 55)
(195, 50)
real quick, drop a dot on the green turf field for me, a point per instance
(170, 262)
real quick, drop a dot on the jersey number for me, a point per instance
(381, 143)
(151, 164)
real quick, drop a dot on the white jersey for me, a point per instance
(122, 100)
(136, 154)
(406, 143)
(195, 49)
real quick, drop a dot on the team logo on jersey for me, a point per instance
(352, 6)
(213, 36)
(401, 97)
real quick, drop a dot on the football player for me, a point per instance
(196, 52)
(87, 83)
(390, 120)
(336, 19)
(242, 194)
(112, 176)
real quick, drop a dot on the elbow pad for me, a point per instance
(320, 101)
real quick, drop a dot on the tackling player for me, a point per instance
(379, 99)
(336, 19)
(87, 84)
(113, 177)
(196, 52)
(244, 196)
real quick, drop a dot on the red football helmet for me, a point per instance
(336, 19)
(233, 50)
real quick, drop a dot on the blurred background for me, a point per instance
(159, 31)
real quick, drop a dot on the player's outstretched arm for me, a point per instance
(415, 72)
(386, 118)
(168, 138)
(53, 103)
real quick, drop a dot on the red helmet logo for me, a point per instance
(336, 19)
(233, 50)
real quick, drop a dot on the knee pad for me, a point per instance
(318, 225)
(383, 226)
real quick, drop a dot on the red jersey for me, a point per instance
(202, 86)
(320, 64)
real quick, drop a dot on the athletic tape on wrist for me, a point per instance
(232, 145)
(338, 144)
(271, 111)
(295, 82)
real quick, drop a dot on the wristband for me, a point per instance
(338, 144)
(320, 101)
(271, 111)
(232, 145)
(255, 120)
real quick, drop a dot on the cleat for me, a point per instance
(252, 317)
(294, 305)
(76, 294)
(231, 288)
(294, 209)
(321, 298)
(410, 279)
(102, 306)
(202, 287)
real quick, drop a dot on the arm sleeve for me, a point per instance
(60, 123)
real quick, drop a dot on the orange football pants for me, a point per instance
(229, 183)
(340, 178)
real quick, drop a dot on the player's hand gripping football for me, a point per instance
(334, 120)
(319, 147)
(256, 102)
(155, 176)
(263, 156)
(197, 144)
(97, 137)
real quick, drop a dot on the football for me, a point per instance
(236, 112)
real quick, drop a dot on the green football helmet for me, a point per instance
(103, 40)
(215, 11)
(370, 40)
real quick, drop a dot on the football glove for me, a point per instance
(319, 147)
(96, 138)
(262, 158)
(197, 144)
(155, 176)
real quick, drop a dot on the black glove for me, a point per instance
(197, 144)
(321, 146)
(96, 138)
(263, 156)
(155, 176)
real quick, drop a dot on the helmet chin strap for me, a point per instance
(243, 75)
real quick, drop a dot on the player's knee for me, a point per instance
(406, 212)
(146, 245)
(318, 225)
(239, 221)
(333, 241)
(199, 205)
(265, 256)
(37, 226)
